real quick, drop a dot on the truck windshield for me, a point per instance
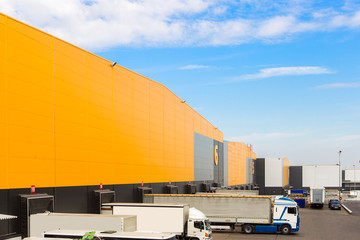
(292, 210)
(199, 224)
(207, 225)
(202, 225)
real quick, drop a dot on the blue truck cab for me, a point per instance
(285, 218)
(286, 213)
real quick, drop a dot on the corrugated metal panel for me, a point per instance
(296, 177)
(226, 165)
(237, 153)
(71, 105)
(273, 172)
(260, 174)
(219, 168)
(249, 171)
(203, 158)
(7, 217)
(221, 163)
(352, 175)
(321, 176)
(286, 165)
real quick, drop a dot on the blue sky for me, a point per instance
(280, 75)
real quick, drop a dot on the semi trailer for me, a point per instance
(251, 213)
(180, 219)
(41, 222)
(317, 197)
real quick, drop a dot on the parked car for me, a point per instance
(331, 200)
(335, 205)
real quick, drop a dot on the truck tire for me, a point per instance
(285, 229)
(248, 228)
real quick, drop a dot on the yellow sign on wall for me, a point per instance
(216, 157)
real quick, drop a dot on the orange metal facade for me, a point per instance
(237, 154)
(67, 118)
(286, 176)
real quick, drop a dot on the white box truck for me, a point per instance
(251, 213)
(317, 197)
(180, 219)
(42, 222)
(105, 235)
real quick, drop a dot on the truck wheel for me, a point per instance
(285, 229)
(248, 228)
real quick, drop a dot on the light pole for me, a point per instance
(339, 174)
(350, 181)
(354, 179)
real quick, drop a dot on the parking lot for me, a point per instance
(315, 224)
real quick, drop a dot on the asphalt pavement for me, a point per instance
(354, 206)
(314, 224)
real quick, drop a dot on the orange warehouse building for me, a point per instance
(71, 123)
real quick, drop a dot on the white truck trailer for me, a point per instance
(42, 222)
(104, 235)
(251, 213)
(180, 219)
(236, 192)
(317, 197)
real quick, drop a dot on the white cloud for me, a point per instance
(276, 72)
(350, 21)
(108, 23)
(220, 10)
(192, 67)
(276, 26)
(338, 85)
(216, 33)
(286, 71)
(102, 24)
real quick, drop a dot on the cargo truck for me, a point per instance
(317, 197)
(42, 222)
(251, 213)
(180, 219)
(104, 235)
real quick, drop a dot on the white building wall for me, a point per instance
(315, 176)
(352, 175)
(273, 172)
